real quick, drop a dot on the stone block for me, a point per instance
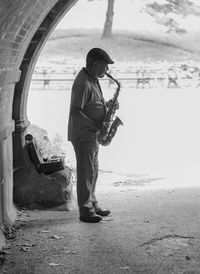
(39, 191)
(2, 240)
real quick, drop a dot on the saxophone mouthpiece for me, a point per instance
(108, 75)
(115, 80)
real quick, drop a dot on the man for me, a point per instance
(87, 111)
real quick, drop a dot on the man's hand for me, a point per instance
(117, 105)
(110, 102)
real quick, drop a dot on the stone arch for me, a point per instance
(27, 65)
(25, 25)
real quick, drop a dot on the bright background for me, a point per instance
(161, 131)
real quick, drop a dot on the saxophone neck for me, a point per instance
(115, 80)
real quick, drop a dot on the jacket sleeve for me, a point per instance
(80, 95)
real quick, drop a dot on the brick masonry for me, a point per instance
(19, 22)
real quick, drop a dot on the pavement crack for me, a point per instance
(169, 236)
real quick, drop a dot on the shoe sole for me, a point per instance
(102, 214)
(90, 220)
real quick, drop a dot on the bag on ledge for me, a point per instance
(43, 165)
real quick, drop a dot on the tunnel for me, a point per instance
(25, 27)
(158, 231)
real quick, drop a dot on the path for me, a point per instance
(149, 231)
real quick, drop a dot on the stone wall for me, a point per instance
(20, 21)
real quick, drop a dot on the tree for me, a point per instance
(168, 12)
(107, 31)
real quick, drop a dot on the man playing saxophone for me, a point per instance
(87, 112)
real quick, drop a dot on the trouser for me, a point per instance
(87, 173)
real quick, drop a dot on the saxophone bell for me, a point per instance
(109, 127)
(118, 121)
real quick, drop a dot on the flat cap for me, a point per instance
(99, 55)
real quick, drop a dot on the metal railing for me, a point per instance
(137, 77)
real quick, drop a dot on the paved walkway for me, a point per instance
(149, 231)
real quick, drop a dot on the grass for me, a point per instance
(124, 46)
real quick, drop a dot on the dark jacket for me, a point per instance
(87, 108)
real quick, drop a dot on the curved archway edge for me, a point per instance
(25, 27)
(27, 65)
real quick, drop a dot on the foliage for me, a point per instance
(49, 147)
(181, 7)
(168, 12)
(165, 12)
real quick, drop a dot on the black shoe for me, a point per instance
(102, 212)
(90, 218)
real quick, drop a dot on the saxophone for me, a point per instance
(110, 126)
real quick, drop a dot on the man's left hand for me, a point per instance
(110, 102)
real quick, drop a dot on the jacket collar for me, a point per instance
(91, 75)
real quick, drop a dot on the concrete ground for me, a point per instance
(151, 230)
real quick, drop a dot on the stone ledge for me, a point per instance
(9, 76)
(6, 132)
(39, 191)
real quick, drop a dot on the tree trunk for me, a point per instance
(107, 31)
